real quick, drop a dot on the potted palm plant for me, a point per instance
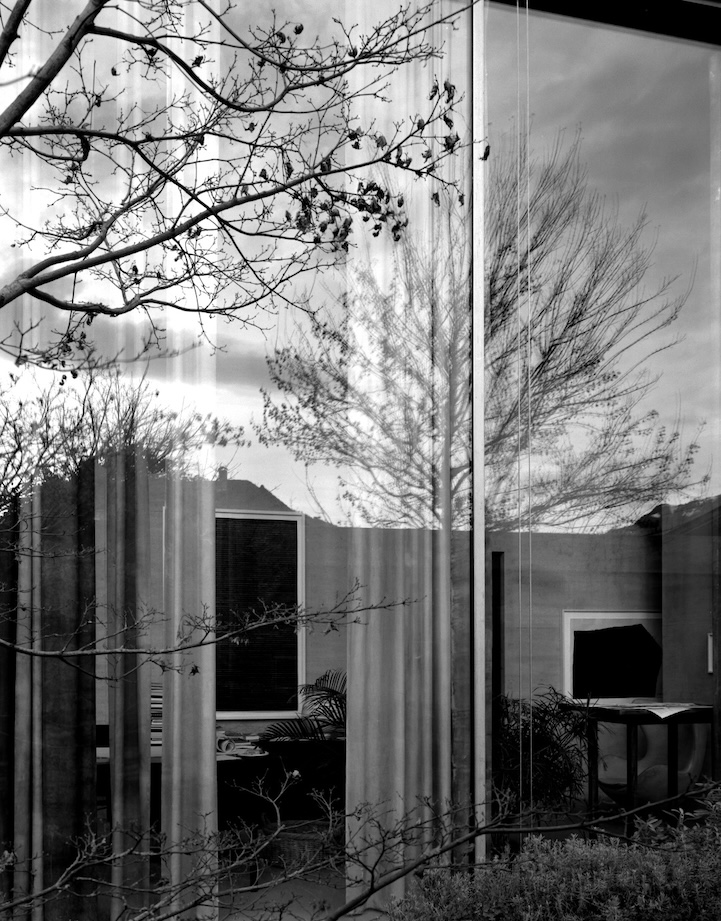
(323, 713)
(311, 747)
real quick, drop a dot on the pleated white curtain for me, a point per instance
(123, 568)
(189, 778)
(399, 714)
(411, 688)
(48, 767)
(410, 701)
(161, 575)
(135, 567)
(159, 559)
(80, 550)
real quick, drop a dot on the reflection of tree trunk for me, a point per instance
(442, 581)
(452, 585)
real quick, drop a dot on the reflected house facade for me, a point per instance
(622, 614)
(591, 594)
(268, 560)
(521, 504)
(653, 575)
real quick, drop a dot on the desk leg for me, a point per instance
(672, 758)
(631, 771)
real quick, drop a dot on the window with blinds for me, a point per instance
(258, 582)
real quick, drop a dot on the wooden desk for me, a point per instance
(632, 716)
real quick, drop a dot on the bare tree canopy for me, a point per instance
(383, 393)
(179, 156)
(51, 429)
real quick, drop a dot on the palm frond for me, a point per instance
(302, 728)
(324, 711)
(325, 698)
(334, 682)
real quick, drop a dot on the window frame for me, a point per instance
(301, 631)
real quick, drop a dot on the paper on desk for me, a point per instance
(664, 711)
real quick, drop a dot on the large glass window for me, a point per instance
(235, 393)
(304, 318)
(602, 360)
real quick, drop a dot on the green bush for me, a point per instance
(674, 875)
(541, 748)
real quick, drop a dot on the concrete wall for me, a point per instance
(617, 572)
(689, 541)
(327, 580)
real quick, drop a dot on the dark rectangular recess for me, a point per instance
(256, 570)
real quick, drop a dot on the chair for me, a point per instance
(652, 772)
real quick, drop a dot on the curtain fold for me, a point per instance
(399, 714)
(8, 637)
(189, 778)
(27, 825)
(79, 545)
(409, 701)
(67, 598)
(160, 585)
(410, 746)
(48, 771)
(126, 558)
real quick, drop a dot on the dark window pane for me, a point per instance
(615, 662)
(257, 571)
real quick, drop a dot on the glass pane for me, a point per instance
(235, 416)
(602, 378)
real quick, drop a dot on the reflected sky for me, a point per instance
(642, 107)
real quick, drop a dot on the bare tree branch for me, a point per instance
(379, 384)
(226, 178)
(55, 63)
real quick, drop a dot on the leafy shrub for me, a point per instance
(675, 876)
(542, 751)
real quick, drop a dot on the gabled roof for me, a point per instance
(245, 496)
